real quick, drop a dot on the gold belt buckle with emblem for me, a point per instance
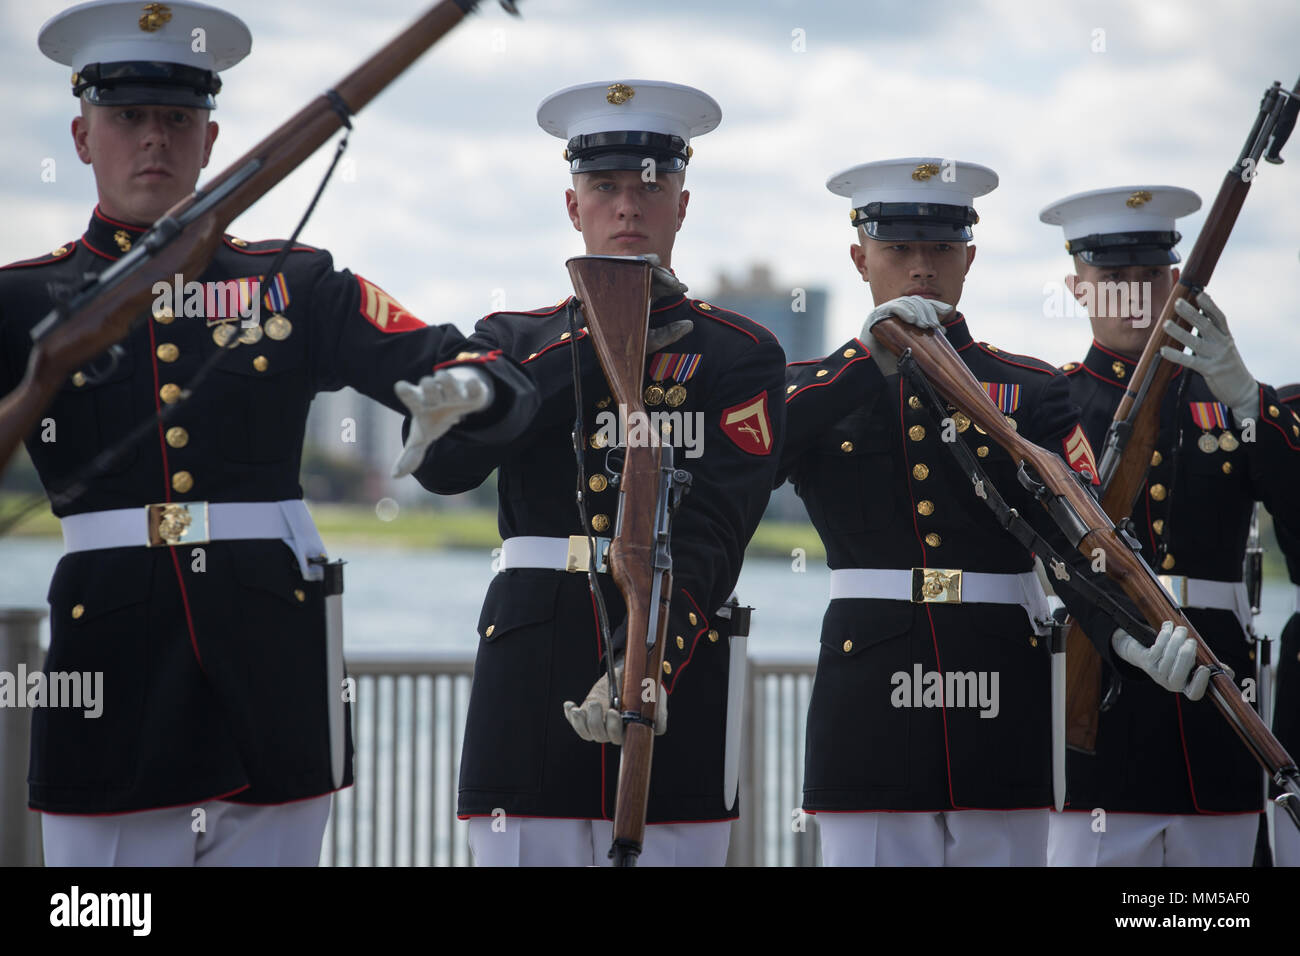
(176, 523)
(936, 586)
(579, 559)
(1176, 586)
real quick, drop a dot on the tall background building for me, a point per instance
(796, 315)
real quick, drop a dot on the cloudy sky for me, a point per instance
(453, 200)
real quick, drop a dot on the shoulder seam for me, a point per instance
(1001, 356)
(247, 249)
(540, 311)
(709, 314)
(45, 259)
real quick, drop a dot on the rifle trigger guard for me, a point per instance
(1113, 689)
(114, 353)
(1035, 488)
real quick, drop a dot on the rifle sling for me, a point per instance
(580, 497)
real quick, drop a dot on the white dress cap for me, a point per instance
(1123, 225)
(921, 198)
(145, 53)
(617, 125)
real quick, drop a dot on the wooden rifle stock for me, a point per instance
(954, 382)
(615, 295)
(194, 226)
(1123, 475)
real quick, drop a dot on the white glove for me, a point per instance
(595, 720)
(662, 281)
(1168, 661)
(437, 404)
(666, 335)
(1214, 355)
(913, 309)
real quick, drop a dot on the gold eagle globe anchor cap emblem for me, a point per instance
(616, 94)
(155, 17)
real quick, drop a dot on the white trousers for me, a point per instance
(1152, 839)
(531, 841)
(949, 838)
(225, 834)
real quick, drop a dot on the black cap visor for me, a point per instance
(916, 222)
(627, 149)
(1126, 248)
(147, 83)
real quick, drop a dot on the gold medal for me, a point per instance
(676, 395)
(1228, 441)
(222, 334)
(278, 327)
(1207, 443)
(251, 335)
(654, 395)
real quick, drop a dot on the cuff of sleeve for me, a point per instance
(1273, 414)
(690, 631)
(514, 400)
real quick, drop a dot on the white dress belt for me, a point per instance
(977, 587)
(1218, 595)
(563, 554)
(287, 520)
(550, 554)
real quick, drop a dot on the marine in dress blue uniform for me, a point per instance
(189, 579)
(914, 755)
(1177, 786)
(538, 639)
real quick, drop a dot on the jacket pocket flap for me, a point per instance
(516, 599)
(87, 584)
(269, 565)
(102, 370)
(851, 626)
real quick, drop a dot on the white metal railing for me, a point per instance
(408, 723)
